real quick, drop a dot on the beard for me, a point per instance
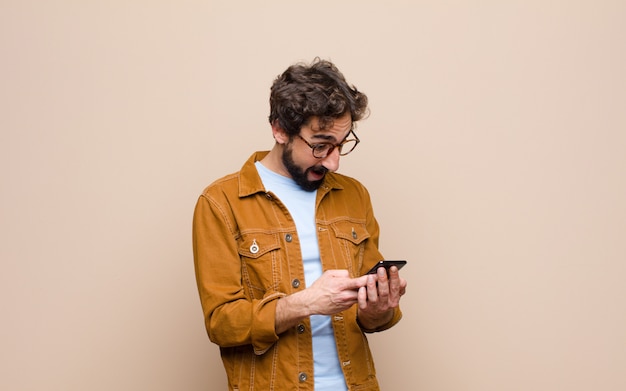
(299, 175)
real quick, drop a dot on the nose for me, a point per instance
(331, 162)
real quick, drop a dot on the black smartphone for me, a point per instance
(387, 264)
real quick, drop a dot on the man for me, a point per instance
(281, 248)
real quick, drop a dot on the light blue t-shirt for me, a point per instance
(301, 205)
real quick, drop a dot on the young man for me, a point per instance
(281, 248)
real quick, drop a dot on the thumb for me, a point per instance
(359, 282)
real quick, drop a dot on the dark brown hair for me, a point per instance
(317, 89)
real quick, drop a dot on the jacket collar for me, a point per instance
(250, 182)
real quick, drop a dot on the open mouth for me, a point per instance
(318, 171)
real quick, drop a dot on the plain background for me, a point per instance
(495, 155)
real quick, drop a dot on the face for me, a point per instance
(305, 169)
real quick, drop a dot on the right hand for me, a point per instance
(333, 292)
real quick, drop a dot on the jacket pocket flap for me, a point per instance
(350, 230)
(255, 245)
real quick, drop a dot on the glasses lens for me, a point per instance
(347, 147)
(321, 150)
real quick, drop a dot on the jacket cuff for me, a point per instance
(263, 332)
(397, 315)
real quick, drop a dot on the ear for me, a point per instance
(280, 135)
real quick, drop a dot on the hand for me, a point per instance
(333, 292)
(380, 296)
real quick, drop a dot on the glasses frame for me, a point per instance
(333, 146)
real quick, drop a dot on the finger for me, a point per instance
(356, 283)
(402, 291)
(362, 297)
(372, 288)
(394, 280)
(383, 284)
(382, 274)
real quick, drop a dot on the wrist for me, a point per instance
(290, 310)
(372, 322)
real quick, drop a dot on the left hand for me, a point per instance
(380, 296)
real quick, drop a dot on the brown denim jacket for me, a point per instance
(247, 256)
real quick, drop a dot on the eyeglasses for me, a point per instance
(321, 150)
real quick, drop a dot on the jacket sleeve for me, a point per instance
(231, 317)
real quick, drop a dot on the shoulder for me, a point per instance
(225, 192)
(222, 184)
(242, 183)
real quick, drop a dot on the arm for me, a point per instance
(232, 317)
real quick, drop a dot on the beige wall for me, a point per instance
(495, 154)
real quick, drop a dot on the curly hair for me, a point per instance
(319, 90)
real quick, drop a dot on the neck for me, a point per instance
(274, 161)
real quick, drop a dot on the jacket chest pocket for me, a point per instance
(260, 261)
(351, 237)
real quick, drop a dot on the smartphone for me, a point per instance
(387, 264)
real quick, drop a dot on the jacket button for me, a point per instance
(288, 237)
(302, 377)
(295, 283)
(300, 328)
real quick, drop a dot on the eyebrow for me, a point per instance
(328, 137)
